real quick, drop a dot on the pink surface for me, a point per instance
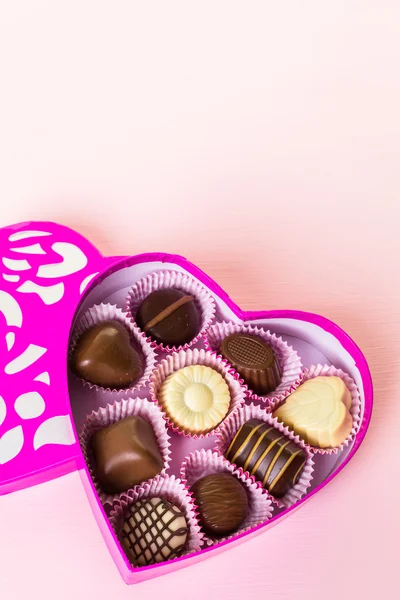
(279, 127)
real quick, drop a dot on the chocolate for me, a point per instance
(195, 398)
(125, 454)
(222, 503)
(104, 356)
(254, 360)
(319, 411)
(169, 316)
(267, 454)
(153, 531)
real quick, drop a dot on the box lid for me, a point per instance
(45, 269)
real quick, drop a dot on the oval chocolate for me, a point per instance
(222, 503)
(254, 360)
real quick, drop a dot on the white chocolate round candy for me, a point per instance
(196, 398)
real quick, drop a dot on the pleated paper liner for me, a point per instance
(101, 313)
(113, 413)
(232, 425)
(355, 408)
(288, 359)
(171, 489)
(179, 360)
(201, 463)
(178, 280)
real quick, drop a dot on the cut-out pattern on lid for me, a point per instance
(44, 270)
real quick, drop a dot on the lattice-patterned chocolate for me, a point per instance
(153, 530)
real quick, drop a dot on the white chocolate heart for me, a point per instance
(318, 411)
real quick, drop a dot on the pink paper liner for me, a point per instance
(116, 412)
(106, 312)
(251, 411)
(288, 358)
(355, 408)
(201, 463)
(172, 279)
(162, 487)
(185, 358)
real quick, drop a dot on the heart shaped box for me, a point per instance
(50, 276)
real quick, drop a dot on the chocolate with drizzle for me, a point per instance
(267, 454)
(153, 531)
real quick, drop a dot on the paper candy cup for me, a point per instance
(179, 360)
(109, 312)
(201, 463)
(172, 279)
(229, 429)
(116, 412)
(171, 489)
(289, 360)
(355, 408)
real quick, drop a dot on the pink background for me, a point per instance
(262, 141)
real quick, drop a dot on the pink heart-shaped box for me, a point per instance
(50, 275)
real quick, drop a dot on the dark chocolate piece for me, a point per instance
(267, 454)
(169, 316)
(254, 360)
(153, 531)
(125, 454)
(104, 356)
(222, 503)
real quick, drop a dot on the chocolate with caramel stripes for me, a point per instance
(267, 454)
(169, 316)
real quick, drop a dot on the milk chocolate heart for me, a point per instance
(50, 276)
(104, 356)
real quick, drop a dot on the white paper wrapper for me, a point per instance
(233, 424)
(201, 463)
(289, 360)
(355, 408)
(116, 412)
(172, 279)
(171, 489)
(109, 312)
(179, 360)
